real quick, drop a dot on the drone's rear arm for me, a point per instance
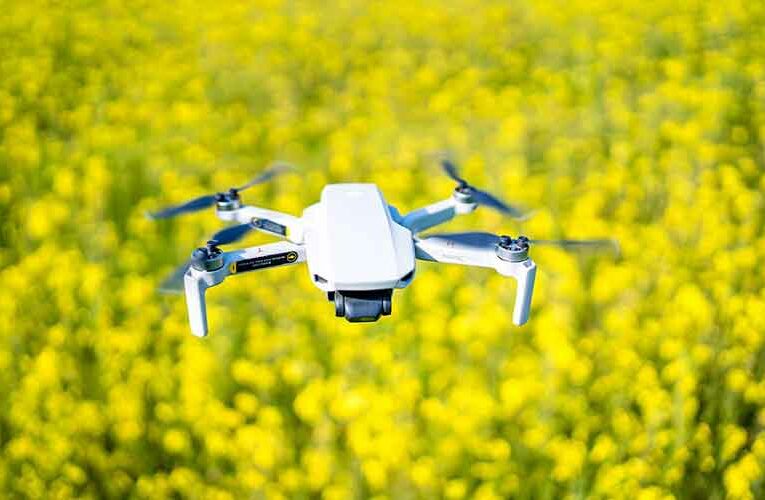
(212, 272)
(268, 221)
(484, 255)
(436, 213)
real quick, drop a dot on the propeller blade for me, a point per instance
(231, 234)
(476, 239)
(209, 200)
(481, 239)
(596, 244)
(489, 200)
(479, 196)
(451, 171)
(174, 282)
(267, 175)
(190, 206)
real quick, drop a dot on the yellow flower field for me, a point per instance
(638, 375)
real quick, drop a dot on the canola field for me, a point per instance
(638, 376)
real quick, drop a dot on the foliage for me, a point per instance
(638, 377)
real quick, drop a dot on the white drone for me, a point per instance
(357, 246)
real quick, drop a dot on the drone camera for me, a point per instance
(362, 306)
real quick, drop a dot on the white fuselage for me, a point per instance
(353, 243)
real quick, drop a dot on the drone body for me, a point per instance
(358, 248)
(353, 242)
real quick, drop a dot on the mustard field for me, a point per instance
(639, 375)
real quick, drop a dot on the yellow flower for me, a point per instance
(604, 449)
(639, 372)
(176, 441)
(423, 472)
(375, 473)
(455, 489)
(246, 403)
(733, 439)
(569, 458)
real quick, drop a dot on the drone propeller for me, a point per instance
(209, 200)
(174, 281)
(596, 244)
(479, 196)
(482, 240)
(232, 233)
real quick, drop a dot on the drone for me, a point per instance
(358, 248)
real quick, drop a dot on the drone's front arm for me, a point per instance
(483, 254)
(437, 213)
(268, 221)
(207, 274)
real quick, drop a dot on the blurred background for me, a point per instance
(638, 376)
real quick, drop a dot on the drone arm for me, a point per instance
(524, 272)
(195, 302)
(435, 214)
(268, 221)
(437, 250)
(196, 281)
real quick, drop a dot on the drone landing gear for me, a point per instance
(362, 306)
